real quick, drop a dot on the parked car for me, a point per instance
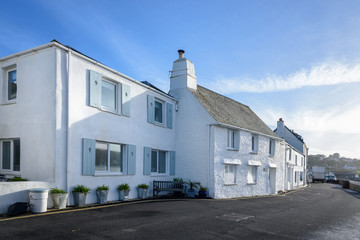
(330, 179)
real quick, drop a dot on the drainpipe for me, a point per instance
(209, 167)
(67, 124)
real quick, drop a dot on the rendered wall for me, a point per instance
(89, 122)
(32, 117)
(194, 160)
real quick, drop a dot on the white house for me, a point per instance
(66, 119)
(221, 142)
(295, 154)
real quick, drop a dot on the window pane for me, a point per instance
(101, 162)
(154, 161)
(158, 112)
(16, 155)
(12, 86)
(108, 95)
(253, 143)
(6, 155)
(162, 162)
(230, 171)
(115, 158)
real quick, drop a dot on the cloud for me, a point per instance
(319, 75)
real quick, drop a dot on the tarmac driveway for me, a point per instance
(322, 211)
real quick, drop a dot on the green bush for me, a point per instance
(124, 187)
(57, 190)
(103, 187)
(81, 188)
(178, 180)
(143, 185)
(203, 188)
(17, 179)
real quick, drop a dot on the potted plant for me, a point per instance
(124, 190)
(80, 192)
(192, 188)
(59, 197)
(202, 192)
(142, 190)
(102, 193)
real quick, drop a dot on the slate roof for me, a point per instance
(227, 111)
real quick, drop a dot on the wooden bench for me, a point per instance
(168, 186)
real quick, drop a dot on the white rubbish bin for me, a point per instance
(38, 199)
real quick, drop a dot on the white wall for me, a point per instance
(12, 192)
(31, 118)
(243, 155)
(192, 140)
(88, 122)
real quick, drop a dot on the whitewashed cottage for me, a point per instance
(66, 119)
(295, 153)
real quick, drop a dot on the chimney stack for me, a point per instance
(181, 53)
(280, 128)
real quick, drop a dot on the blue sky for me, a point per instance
(298, 60)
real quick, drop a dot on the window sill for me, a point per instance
(109, 174)
(8, 103)
(108, 111)
(251, 183)
(159, 175)
(230, 184)
(271, 155)
(232, 149)
(255, 153)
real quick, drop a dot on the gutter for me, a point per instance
(67, 49)
(244, 129)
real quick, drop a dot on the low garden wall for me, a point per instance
(12, 192)
(353, 185)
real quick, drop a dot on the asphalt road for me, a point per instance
(322, 211)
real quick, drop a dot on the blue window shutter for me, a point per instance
(147, 161)
(169, 115)
(150, 108)
(125, 100)
(95, 89)
(88, 158)
(172, 163)
(131, 160)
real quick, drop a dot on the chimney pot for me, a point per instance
(280, 119)
(181, 53)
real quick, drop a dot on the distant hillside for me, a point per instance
(335, 163)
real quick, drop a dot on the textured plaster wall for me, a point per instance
(32, 117)
(295, 167)
(243, 155)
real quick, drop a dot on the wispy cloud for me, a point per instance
(319, 75)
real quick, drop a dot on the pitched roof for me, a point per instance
(227, 111)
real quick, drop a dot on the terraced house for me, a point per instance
(66, 119)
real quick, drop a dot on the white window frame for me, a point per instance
(252, 175)
(254, 143)
(11, 170)
(158, 163)
(5, 85)
(117, 91)
(123, 155)
(163, 112)
(227, 168)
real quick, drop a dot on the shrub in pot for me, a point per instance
(124, 190)
(80, 192)
(142, 190)
(59, 197)
(192, 188)
(202, 192)
(102, 193)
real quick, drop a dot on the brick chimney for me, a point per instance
(183, 73)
